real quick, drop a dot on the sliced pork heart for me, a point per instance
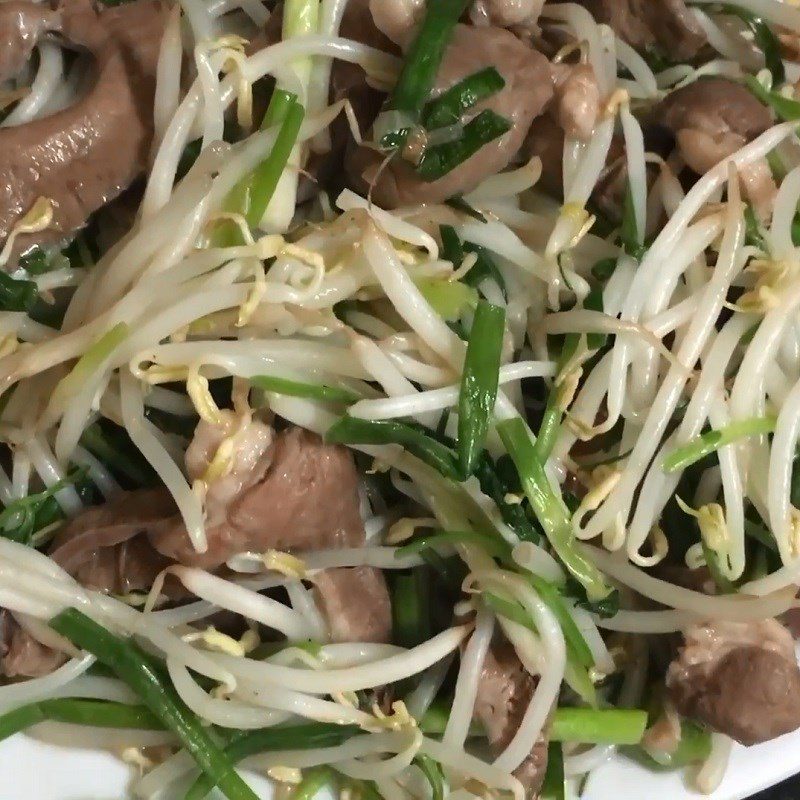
(355, 603)
(505, 690)
(739, 678)
(104, 547)
(22, 24)
(84, 156)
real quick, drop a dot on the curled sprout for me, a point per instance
(713, 527)
(39, 218)
(284, 563)
(219, 642)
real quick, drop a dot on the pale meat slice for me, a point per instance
(711, 119)
(243, 449)
(306, 500)
(739, 678)
(22, 656)
(356, 604)
(505, 690)
(516, 14)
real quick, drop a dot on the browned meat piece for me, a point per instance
(306, 500)
(505, 690)
(355, 603)
(22, 24)
(23, 656)
(86, 155)
(712, 118)
(667, 25)
(739, 678)
(529, 87)
(102, 548)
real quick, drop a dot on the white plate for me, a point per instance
(33, 770)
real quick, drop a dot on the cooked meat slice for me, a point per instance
(578, 99)
(506, 13)
(23, 656)
(711, 119)
(87, 154)
(306, 500)
(667, 25)
(397, 19)
(244, 450)
(505, 690)
(356, 604)
(22, 24)
(739, 678)
(103, 547)
(529, 87)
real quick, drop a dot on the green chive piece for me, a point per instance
(479, 383)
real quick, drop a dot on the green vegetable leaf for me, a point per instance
(786, 109)
(17, 295)
(440, 159)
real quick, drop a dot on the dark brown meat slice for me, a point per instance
(104, 549)
(667, 25)
(85, 155)
(22, 24)
(529, 87)
(306, 500)
(505, 690)
(356, 604)
(739, 678)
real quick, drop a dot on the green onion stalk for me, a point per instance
(479, 383)
(420, 67)
(707, 443)
(159, 697)
(618, 726)
(549, 508)
(311, 391)
(300, 18)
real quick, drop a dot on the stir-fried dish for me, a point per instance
(400, 398)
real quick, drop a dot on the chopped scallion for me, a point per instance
(159, 697)
(440, 159)
(311, 391)
(479, 383)
(705, 444)
(449, 107)
(351, 430)
(549, 508)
